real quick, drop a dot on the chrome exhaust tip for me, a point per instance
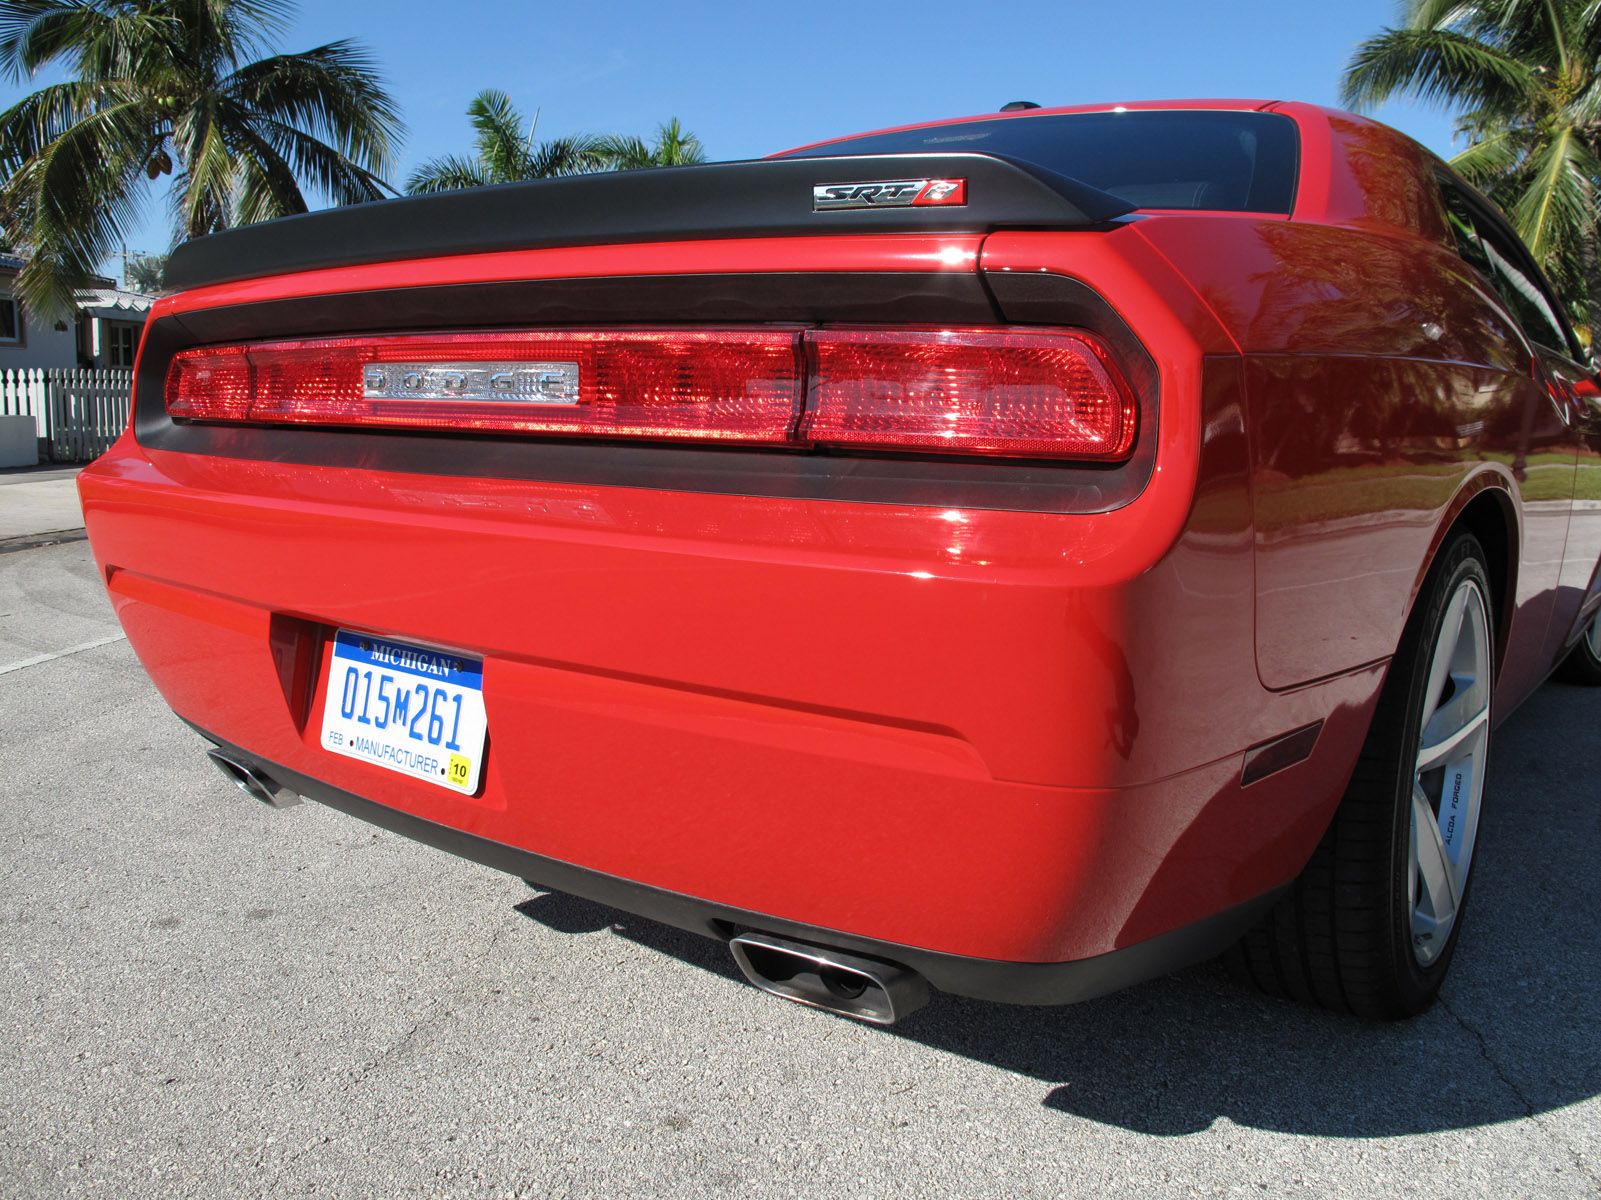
(256, 784)
(865, 988)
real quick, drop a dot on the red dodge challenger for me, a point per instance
(1015, 556)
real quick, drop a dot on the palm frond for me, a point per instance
(624, 152)
(1435, 14)
(1475, 124)
(1489, 159)
(203, 190)
(1558, 207)
(1562, 27)
(503, 147)
(1438, 67)
(210, 38)
(333, 92)
(320, 165)
(447, 174)
(574, 155)
(42, 116)
(1585, 108)
(1590, 30)
(676, 146)
(1550, 31)
(98, 39)
(265, 185)
(244, 25)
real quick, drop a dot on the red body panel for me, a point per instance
(1004, 734)
(1386, 384)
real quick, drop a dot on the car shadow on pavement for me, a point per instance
(1513, 1036)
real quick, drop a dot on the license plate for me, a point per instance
(406, 708)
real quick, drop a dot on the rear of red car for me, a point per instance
(850, 551)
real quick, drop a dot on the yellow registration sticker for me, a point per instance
(461, 769)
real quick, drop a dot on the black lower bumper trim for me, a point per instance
(980, 978)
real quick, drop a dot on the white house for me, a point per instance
(102, 332)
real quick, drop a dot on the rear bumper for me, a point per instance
(987, 735)
(979, 978)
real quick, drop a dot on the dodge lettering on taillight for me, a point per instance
(529, 382)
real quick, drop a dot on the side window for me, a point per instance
(10, 322)
(1468, 244)
(1535, 311)
(1497, 256)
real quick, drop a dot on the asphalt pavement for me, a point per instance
(206, 997)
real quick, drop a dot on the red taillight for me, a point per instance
(209, 385)
(1039, 393)
(717, 385)
(1033, 393)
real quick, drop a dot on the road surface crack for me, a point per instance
(1530, 1109)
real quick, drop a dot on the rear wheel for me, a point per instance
(1372, 923)
(1583, 663)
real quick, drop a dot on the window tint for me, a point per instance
(1500, 258)
(1233, 161)
(1468, 244)
(1534, 309)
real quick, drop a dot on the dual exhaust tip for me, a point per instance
(868, 989)
(253, 782)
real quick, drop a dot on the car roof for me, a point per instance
(1025, 113)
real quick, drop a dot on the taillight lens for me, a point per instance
(716, 385)
(1033, 393)
(1036, 393)
(210, 385)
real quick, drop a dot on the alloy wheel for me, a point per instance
(1448, 779)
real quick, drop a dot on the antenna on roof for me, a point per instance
(1018, 105)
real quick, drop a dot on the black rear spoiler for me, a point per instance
(759, 198)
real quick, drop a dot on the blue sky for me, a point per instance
(756, 77)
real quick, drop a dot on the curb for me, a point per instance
(32, 541)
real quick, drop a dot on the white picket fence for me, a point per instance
(22, 394)
(78, 412)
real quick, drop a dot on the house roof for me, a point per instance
(114, 304)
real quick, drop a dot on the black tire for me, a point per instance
(1582, 665)
(1341, 936)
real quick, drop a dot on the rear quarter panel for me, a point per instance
(1384, 385)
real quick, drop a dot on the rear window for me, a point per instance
(1229, 161)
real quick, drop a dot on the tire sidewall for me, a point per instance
(1589, 655)
(1581, 666)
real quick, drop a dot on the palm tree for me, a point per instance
(145, 272)
(172, 87)
(506, 154)
(674, 147)
(1525, 78)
